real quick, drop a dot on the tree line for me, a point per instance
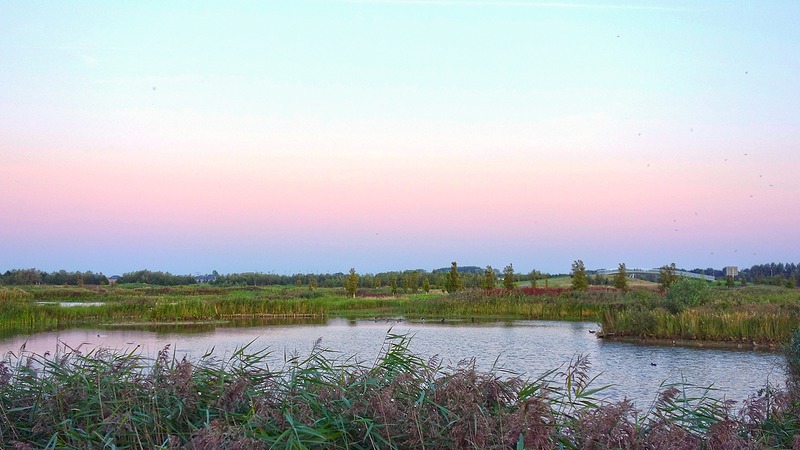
(447, 278)
(62, 277)
(412, 280)
(779, 274)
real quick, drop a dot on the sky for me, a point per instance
(311, 136)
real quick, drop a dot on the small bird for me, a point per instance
(653, 364)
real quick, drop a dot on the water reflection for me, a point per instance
(527, 347)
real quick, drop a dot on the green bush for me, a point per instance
(685, 293)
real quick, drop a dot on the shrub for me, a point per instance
(684, 293)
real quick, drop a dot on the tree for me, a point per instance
(667, 275)
(489, 278)
(453, 281)
(533, 278)
(426, 285)
(413, 278)
(729, 281)
(508, 277)
(393, 283)
(351, 282)
(579, 281)
(312, 283)
(621, 278)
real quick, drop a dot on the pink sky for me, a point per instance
(302, 139)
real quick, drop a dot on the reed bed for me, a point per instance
(761, 314)
(14, 294)
(749, 315)
(325, 400)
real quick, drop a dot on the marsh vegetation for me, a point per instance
(323, 400)
(688, 309)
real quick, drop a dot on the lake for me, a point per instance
(527, 347)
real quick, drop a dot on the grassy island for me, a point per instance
(688, 310)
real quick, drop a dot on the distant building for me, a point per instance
(205, 278)
(113, 279)
(731, 271)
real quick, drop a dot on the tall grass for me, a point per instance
(760, 314)
(325, 400)
(763, 316)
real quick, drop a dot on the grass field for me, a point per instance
(760, 314)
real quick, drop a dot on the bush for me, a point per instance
(686, 293)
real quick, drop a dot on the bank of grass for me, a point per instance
(763, 314)
(123, 400)
(760, 315)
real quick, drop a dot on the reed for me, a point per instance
(763, 323)
(250, 399)
(763, 314)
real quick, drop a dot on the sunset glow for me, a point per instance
(315, 136)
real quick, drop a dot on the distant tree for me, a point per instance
(406, 283)
(729, 281)
(667, 275)
(453, 281)
(743, 280)
(489, 278)
(508, 277)
(791, 283)
(23, 276)
(579, 281)
(351, 282)
(393, 283)
(533, 278)
(299, 282)
(426, 285)
(413, 279)
(157, 278)
(598, 280)
(621, 278)
(312, 283)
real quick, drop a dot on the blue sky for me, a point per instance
(321, 135)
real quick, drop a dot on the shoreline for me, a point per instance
(770, 347)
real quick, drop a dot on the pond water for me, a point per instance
(527, 347)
